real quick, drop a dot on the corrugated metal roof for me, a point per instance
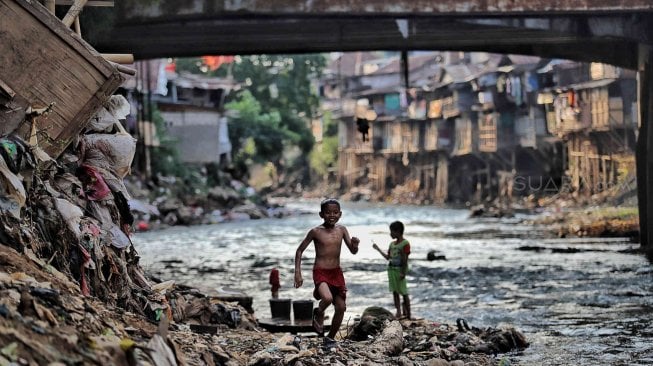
(580, 86)
(350, 63)
(524, 60)
(191, 81)
(414, 62)
(461, 73)
(379, 91)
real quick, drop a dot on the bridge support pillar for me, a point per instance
(644, 150)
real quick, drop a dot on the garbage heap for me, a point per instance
(71, 218)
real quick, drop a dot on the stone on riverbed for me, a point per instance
(372, 323)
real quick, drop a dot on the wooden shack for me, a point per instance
(45, 64)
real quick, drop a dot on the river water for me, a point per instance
(578, 301)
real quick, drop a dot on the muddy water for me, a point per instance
(579, 301)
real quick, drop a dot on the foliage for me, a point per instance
(608, 213)
(165, 158)
(283, 84)
(255, 136)
(274, 108)
(325, 155)
(192, 65)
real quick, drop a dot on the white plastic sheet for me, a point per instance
(12, 196)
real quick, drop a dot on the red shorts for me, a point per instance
(334, 278)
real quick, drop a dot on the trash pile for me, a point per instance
(169, 201)
(71, 218)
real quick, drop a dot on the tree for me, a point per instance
(274, 108)
(325, 155)
(284, 84)
(255, 136)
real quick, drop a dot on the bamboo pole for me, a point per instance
(78, 27)
(73, 12)
(119, 58)
(50, 5)
(123, 69)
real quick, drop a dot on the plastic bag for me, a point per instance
(71, 214)
(110, 114)
(108, 151)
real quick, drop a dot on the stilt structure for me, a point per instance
(644, 151)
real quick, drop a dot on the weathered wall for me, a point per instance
(161, 8)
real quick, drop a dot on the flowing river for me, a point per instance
(578, 301)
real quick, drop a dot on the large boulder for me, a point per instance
(371, 323)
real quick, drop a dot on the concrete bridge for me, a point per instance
(618, 32)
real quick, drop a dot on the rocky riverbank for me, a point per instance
(45, 320)
(592, 222)
(611, 213)
(171, 201)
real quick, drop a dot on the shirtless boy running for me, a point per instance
(327, 275)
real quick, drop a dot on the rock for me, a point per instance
(371, 323)
(434, 255)
(504, 340)
(477, 211)
(438, 362)
(391, 340)
(252, 210)
(224, 196)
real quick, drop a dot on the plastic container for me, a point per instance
(280, 308)
(302, 309)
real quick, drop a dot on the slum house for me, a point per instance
(355, 114)
(518, 153)
(593, 110)
(476, 123)
(338, 79)
(453, 97)
(341, 76)
(382, 141)
(191, 106)
(193, 113)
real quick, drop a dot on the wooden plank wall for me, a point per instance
(45, 63)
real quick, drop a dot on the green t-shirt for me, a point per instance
(395, 252)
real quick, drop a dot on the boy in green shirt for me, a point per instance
(397, 257)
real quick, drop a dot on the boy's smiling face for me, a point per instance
(331, 214)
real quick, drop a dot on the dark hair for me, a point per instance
(328, 201)
(397, 226)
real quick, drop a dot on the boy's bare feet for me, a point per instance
(318, 321)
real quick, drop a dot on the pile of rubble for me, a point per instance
(71, 218)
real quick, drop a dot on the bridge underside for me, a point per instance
(609, 39)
